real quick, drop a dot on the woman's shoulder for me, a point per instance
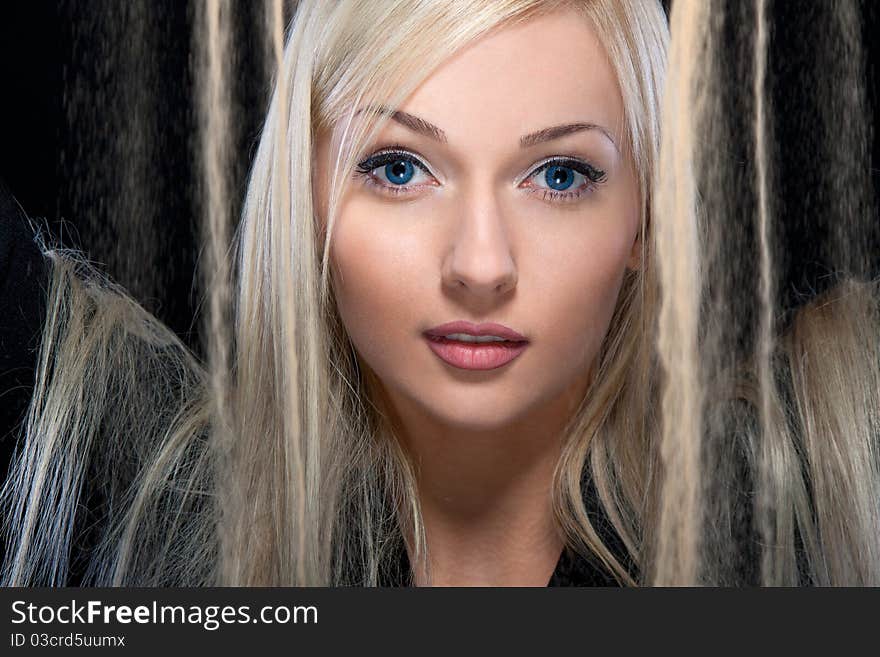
(23, 284)
(139, 413)
(23, 270)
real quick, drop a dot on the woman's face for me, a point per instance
(499, 194)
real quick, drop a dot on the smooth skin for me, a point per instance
(480, 237)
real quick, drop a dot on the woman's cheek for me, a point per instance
(372, 280)
(577, 315)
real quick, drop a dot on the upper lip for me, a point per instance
(490, 328)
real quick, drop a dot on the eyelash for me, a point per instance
(395, 153)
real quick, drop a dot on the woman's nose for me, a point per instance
(480, 258)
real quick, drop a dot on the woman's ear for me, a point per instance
(319, 177)
(635, 255)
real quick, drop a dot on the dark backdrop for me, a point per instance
(98, 133)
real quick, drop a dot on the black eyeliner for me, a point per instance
(393, 154)
(594, 175)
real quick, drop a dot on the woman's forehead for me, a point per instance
(549, 70)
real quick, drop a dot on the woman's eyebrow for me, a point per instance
(410, 121)
(428, 129)
(558, 131)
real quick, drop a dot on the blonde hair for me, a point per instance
(769, 438)
(303, 482)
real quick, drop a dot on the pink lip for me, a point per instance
(476, 329)
(484, 356)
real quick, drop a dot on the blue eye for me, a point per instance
(399, 172)
(558, 177)
(393, 171)
(564, 179)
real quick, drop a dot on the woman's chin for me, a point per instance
(476, 413)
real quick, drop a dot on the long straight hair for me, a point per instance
(305, 481)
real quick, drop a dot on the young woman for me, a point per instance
(449, 355)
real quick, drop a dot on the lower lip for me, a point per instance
(475, 355)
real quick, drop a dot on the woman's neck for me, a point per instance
(486, 497)
(488, 517)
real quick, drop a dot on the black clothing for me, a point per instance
(23, 294)
(23, 279)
